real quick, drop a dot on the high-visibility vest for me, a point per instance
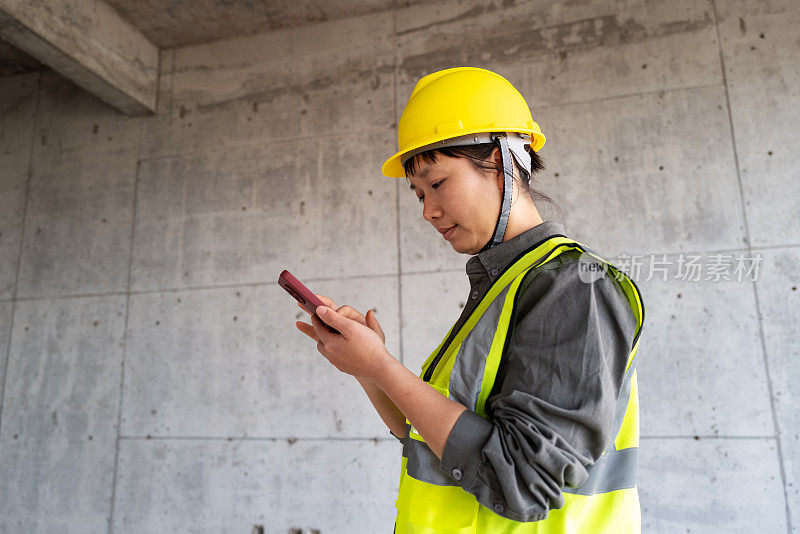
(429, 501)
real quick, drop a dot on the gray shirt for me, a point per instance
(552, 405)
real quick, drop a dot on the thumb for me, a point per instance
(331, 318)
(372, 322)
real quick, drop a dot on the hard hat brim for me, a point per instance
(393, 167)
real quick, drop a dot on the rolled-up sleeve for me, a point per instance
(551, 411)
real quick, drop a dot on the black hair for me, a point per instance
(480, 157)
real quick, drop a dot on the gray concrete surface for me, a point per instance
(15, 61)
(139, 257)
(89, 43)
(178, 23)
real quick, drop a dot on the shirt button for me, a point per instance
(498, 508)
(457, 474)
(474, 295)
(494, 272)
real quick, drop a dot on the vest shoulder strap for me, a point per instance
(537, 255)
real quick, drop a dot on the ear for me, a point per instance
(497, 159)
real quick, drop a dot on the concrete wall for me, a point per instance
(153, 379)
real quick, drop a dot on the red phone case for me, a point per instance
(304, 296)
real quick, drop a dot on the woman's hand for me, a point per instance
(359, 349)
(392, 389)
(370, 320)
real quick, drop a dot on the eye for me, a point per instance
(435, 186)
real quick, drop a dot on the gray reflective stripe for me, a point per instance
(622, 404)
(423, 465)
(467, 375)
(613, 471)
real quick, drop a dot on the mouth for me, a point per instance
(448, 232)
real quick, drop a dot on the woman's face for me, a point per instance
(456, 195)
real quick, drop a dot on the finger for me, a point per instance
(304, 308)
(321, 330)
(307, 329)
(317, 324)
(331, 318)
(352, 313)
(323, 298)
(328, 302)
(372, 322)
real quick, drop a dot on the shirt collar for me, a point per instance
(494, 260)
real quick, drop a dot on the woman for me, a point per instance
(525, 418)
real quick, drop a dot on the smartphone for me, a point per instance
(308, 300)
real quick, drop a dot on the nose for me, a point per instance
(430, 209)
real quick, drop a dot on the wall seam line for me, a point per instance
(124, 349)
(624, 96)
(28, 179)
(211, 287)
(291, 440)
(239, 285)
(397, 194)
(775, 423)
(701, 437)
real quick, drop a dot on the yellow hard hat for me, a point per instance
(457, 102)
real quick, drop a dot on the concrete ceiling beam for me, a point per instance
(89, 43)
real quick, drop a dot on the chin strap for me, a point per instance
(505, 208)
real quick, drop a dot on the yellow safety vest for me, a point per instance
(429, 501)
